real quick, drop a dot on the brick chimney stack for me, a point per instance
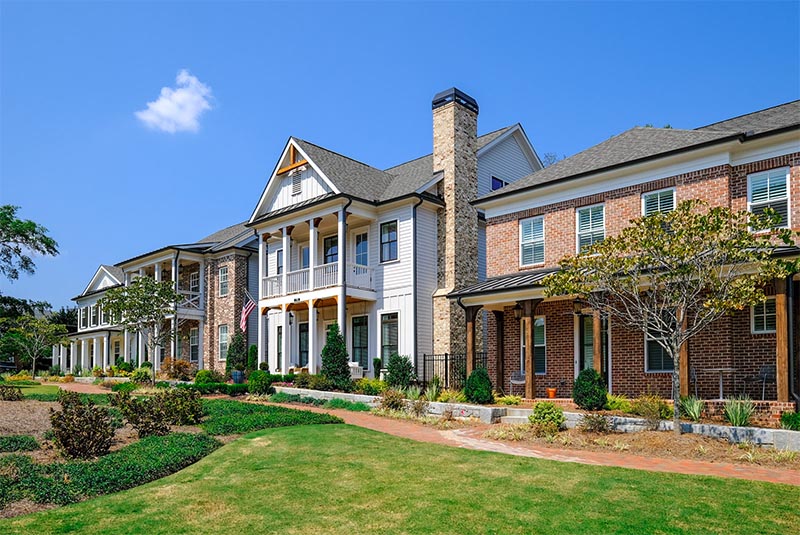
(455, 154)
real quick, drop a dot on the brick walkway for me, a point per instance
(83, 388)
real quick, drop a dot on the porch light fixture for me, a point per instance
(517, 312)
(291, 318)
(577, 307)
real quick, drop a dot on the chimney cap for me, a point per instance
(454, 95)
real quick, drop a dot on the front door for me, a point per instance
(586, 346)
(302, 340)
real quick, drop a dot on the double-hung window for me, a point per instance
(223, 342)
(194, 281)
(531, 241)
(194, 344)
(769, 190)
(656, 357)
(84, 317)
(591, 226)
(362, 249)
(764, 316)
(389, 241)
(223, 281)
(539, 345)
(658, 201)
(330, 247)
(304, 257)
(389, 336)
(279, 262)
(361, 341)
(94, 316)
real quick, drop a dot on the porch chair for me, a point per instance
(766, 374)
(517, 378)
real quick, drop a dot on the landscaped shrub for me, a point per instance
(97, 371)
(179, 369)
(20, 377)
(452, 396)
(479, 387)
(692, 407)
(142, 376)
(738, 410)
(594, 423)
(302, 380)
(62, 483)
(392, 400)
(252, 358)
(68, 378)
(399, 371)
(652, 408)
(618, 402)
(790, 420)
(146, 415)
(335, 361)
(146, 364)
(509, 400)
(54, 371)
(130, 386)
(547, 413)
(224, 417)
(10, 393)
(18, 443)
(370, 387)
(589, 391)
(319, 382)
(123, 366)
(81, 429)
(182, 407)
(259, 382)
(264, 367)
(419, 407)
(347, 405)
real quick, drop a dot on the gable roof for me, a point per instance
(641, 143)
(226, 234)
(115, 273)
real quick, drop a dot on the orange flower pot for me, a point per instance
(551, 392)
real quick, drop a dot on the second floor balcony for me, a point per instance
(317, 278)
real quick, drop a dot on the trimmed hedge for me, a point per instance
(62, 483)
(18, 443)
(226, 417)
(215, 388)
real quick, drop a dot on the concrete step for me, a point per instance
(518, 412)
(514, 420)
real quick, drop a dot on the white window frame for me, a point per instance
(786, 171)
(764, 315)
(194, 281)
(296, 182)
(83, 322)
(353, 239)
(521, 222)
(654, 192)
(220, 271)
(522, 345)
(94, 316)
(194, 341)
(220, 342)
(578, 223)
(280, 262)
(353, 338)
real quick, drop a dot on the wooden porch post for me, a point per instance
(499, 319)
(528, 313)
(683, 366)
(471, 312)
(781, 341)
(597, 342)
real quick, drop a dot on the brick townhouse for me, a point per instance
(745, 163)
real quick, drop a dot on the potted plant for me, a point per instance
(238, 374)
(551, 392)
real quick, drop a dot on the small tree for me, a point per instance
(143, 307)
(19, 237)
(673, 274)
(252, 358)
(399, 371)
(236, 358)
(35, 337)
(335, 361)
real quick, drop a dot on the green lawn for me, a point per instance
(348, 480)
(37, 389)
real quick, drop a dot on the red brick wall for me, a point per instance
(223, 310)
(722, 185)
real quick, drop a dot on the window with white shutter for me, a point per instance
(591, 226)
(769, 190)
(658, 201)
(531, 241)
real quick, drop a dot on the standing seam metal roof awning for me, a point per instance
(504, 283)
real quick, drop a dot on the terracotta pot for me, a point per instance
(551, 392)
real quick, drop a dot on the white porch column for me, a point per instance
(95, 351)
(261, 271)
(55, 355)
(341, 247)
(141, 272)
(312, 337)
(139, 348)
(313, 235)
(62, 357)
(105, 352)
(260, 338)
(72, 356)
(126, 346)
(84, 354)
(157, 268)
(155, 358)
(287, 262)
(200, 349)
(286, 358)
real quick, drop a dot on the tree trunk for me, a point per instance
(676, 388)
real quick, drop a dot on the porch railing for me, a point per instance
(326, 275)
(272, 286)
(359, 276)
(297, 281)
(189, 300)
(451, 368)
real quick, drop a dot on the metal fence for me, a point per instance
(451, 368)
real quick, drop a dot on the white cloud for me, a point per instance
(178, 109)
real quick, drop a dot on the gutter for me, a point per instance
(414, 298)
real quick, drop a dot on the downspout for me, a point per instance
(415, 290)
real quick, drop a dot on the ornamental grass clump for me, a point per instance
(791, 421)
(739, 410)
(479, 387)
(589, 391)
(692, 407)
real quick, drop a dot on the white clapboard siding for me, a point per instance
(390, 276)
(311, 186)
(506, 161)
(426, 277)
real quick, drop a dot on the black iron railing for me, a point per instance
(451, 368)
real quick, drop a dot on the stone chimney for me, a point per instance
(455, 154)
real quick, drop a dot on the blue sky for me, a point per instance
(354, 77)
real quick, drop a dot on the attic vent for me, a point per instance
(297, 182)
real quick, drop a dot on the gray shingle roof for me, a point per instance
(115, 272)
(226, 234)
(361, 180)
(639, 143)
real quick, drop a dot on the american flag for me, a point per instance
(248, 307)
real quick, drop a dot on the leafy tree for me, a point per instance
(673, 274)
(13, 307)
(143, 307)
(34, 338)
(66, 316)
(236, 358)
(18, 238)
(335, 361)
(549, 158)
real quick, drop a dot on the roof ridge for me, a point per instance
(746, 114)
(339, 154)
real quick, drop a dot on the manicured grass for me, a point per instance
(225, 417)
(38, 389)
(341, 479)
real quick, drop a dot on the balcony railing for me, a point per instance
(324, 276)
(190, 300)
